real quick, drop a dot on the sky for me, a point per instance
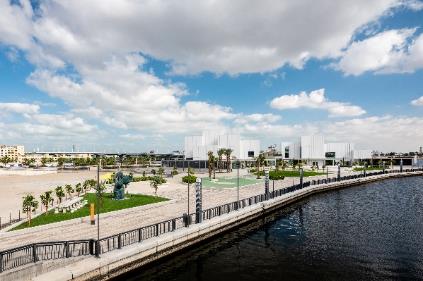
(128, 76)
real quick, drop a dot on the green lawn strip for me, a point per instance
(294, 173)
(228, 182)
(359, 169)
(109, 205)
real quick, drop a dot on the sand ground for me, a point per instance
(14, 187)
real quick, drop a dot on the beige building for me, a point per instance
(15, 152)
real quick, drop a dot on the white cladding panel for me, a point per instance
(230, 141)
(363, 154)
(312, 147)
(343, 150)
(294, 150)
(249, 145)
(197, 147)
(191, 144)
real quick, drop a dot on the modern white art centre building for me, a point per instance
(197, 147)
(315, 151)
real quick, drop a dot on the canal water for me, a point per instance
(368, 232)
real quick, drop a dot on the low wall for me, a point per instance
(117, 262)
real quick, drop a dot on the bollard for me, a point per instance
(266, 183)
(119, 241)
(91, 247)
(339, 172)
(34, 253)
(92, 214)
(301, 177)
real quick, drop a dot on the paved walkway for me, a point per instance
(128, 219)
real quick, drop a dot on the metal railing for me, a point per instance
(32, 253)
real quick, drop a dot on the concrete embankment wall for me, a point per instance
(128, 258)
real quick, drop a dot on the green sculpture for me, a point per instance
(121, 182)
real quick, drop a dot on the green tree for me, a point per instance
(259, 162)
(155, 182)
(220, 153)
(69, 190)
(228, 153)
(78, 188)
(29, 205)
(5, 160)
(160, 171)
(46, 199)
(59, 193)
(210, 163)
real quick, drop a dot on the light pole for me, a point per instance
(97, 252)
(237, 195)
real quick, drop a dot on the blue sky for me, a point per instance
(127, 76)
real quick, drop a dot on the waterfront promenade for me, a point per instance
(111, 223)
(135, 218)
(129, 257)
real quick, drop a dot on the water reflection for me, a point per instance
(371, 232)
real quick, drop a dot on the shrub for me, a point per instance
(189, 179)
(276, 175)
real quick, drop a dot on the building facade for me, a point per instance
(15, 152)
(197, 147)
(313, 150)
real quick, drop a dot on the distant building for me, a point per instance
(363, 154)
(313, 150)
(14, 152)
(197, 147)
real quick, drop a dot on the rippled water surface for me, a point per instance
(370, 232)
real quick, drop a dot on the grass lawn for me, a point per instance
(297, 173)
(228, 182)
(109, 205)
(294, 173)
(359, 169)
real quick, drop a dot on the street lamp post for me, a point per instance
(97, 252)
(237, 195)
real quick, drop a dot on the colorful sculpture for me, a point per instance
(121, 182)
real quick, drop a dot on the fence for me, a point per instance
(32, 253)
(6, 223)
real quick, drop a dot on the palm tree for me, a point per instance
(29, 205)
(78, 188)
(210, 162)
(5, 160)
(220, 153)
(69, 190)
(59, 193)
(46, 199)
(214, 166)
(155, 182)
(228, 153)
(259, 162)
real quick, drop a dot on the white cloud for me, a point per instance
(392, 51)
(418, 101)
(316, 99)
(383, 133)
(20, 108)
(123, 96)
(242, 37)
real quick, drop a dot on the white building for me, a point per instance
(312, 147)
(339, 151)
(197, 147)
(314, 151)
(362, 154)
